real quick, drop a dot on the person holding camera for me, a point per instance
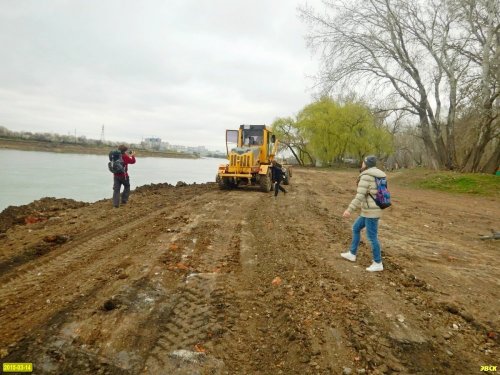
(122, 178)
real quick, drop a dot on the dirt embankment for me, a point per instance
(194, 280)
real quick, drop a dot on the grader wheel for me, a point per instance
(225, 183)
(286, 178)
(265, 182)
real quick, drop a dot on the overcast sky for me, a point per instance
(181, 70)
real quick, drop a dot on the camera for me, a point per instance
(130, 152)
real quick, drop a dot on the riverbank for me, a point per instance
(192, 279)
(30, 145)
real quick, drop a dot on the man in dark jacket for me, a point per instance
(122, 178)
(277, 177)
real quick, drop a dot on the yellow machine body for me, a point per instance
(249, 160)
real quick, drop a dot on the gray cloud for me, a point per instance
(181, 70)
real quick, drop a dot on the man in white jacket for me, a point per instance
(370, 213)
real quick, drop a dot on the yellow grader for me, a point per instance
(250, 159)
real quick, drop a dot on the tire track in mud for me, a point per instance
(189, 310)
(397, 322)
(199, 297)
(88, 259)
(16, 264)
(199, 311)
(95, 236)
(185, 326)
(274, 331)
(79, 255)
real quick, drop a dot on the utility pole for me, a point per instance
(102, 134)
(75, 136)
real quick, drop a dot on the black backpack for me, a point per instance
(116, 164)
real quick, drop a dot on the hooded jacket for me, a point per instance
(366, 186)
(277, 173)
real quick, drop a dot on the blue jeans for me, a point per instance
(371, 225)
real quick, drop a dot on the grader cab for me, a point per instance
(253, 147)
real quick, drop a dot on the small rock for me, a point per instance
(400, 318)
(455, 326)
(383, 369)
(347, 371)
(395, 366)
(361, 371)
(449, 353)
(277, 281)
(305, 358)
(492, 335)
(451, 308)
(447, 335)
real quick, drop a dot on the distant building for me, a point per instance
(151, 143)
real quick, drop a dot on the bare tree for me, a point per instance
(482, 20)
(404, 50)
(435, 26)
(291, 138)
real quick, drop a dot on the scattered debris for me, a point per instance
(199, 348)
(277, 281)
(495, 235)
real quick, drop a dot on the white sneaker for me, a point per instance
(349, 256)
(375, 267)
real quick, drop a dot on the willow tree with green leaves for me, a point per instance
(335, 130)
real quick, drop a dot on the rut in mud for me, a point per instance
(194, 280)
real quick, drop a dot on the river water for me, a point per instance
(26, 176)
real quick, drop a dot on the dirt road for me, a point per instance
(194, 280)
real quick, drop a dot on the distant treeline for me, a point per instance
(55, 139)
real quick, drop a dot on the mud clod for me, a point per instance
(110, 304)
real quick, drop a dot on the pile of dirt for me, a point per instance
(37, 211)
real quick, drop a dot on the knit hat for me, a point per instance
(370, 161)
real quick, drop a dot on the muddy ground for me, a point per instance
(194, 280)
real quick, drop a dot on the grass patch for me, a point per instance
(452, 182)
